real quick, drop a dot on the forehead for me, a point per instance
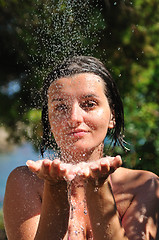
(77, 84)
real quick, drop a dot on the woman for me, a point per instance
(81, 195)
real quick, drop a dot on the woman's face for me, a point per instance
(79, 112)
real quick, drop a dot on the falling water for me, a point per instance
(64, 28)
(56, 30)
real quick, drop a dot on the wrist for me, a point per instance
(97, 182)
(55, 186)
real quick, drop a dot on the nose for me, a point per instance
(76, 115)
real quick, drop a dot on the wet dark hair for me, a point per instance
(77, 65)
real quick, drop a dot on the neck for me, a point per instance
(82, 156)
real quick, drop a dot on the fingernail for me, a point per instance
(70, 177)
(28, 161)
(62, 168)
(79, 172)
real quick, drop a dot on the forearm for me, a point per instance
(103, 214)
(54, 213)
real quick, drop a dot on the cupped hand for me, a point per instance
(53, 171)
(56, 170)
(101, 168)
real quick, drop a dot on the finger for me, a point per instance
(83, 169)
(115, 163)
(85, 172)
(71, 171)
(95, 170)
(63, 169)
(104, 165)
(118, 161)
(100, 168)
(45, 169)
(55, 168)
(34, 166)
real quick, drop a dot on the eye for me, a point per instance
(89, 104)
(61, 107)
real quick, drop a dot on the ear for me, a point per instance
(112, 121)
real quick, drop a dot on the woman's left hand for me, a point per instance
(101, 168)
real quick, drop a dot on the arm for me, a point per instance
(25, 216)
(22, 205)
(103, 213)
(101, 205)
(54, 213)
(141, 218)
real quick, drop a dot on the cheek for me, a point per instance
(57, 131)
(100, 119)
(55, 117)
(57, 126)
(54, 120)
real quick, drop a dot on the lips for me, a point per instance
(77, 132)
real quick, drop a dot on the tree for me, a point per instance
(35, 35)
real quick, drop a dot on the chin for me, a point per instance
(81, 148)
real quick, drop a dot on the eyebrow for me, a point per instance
(83, 96)
(57, 99)
(90, 95)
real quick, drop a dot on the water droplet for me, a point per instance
(82, 228)
(76, 232)
(98, 224)
(95, 189)
(96, 182)
(85, 211)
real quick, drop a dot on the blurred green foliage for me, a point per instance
(1, 220)
(35, 35)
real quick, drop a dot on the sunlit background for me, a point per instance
(36, 35)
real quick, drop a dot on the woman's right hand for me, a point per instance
(53, 171)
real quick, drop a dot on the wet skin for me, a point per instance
(79, 116)
(108, 201)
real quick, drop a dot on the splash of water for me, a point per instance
(59, 29)
(63, 28)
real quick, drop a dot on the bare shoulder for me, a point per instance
(136, 178)
(137, 197)
(122, 172)
(130, 186)
(22, 186)
(22, 179)
(134, 181)
(22, 201)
